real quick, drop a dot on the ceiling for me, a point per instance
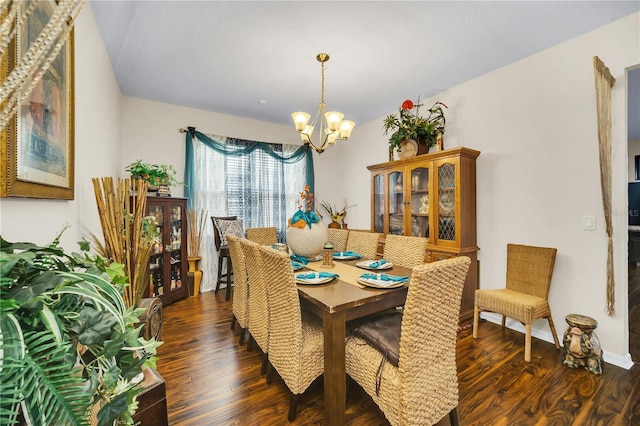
(257, 59)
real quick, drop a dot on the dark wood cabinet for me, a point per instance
(152, 401)
(168, 265)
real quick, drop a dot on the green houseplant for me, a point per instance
(155, 174)
(410, 125)
(68, 344)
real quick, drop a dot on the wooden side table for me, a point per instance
(152, 401)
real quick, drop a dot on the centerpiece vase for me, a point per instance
(195, 275)
(334, 225)
(307, 241)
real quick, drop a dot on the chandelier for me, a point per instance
(335, 128)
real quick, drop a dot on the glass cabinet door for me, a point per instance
(175, 248)
(447, 202)
(156, 264)
(396, 203)
(378, 203)
(420, 202)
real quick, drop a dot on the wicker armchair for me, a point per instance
(365, 243)
(264, 236)
(338, 237)
(423, 387)
(258, 320)
(296, 341)
(240, 304)
(405, 251)
(529, 271)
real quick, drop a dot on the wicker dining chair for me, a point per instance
(338, 237)
(419, 385)
(240, 303)
(258, 305)
(405, 251)
(223, 256)
(265, 236)
(296, 340)
(525, 298)
(364, 243)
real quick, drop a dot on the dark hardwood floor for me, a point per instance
(634, 312)
(211, 380)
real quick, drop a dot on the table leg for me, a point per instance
(334, 368)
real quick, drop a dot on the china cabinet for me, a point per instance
(431, 196)
(168, 265)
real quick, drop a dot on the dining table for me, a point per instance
(341, 300)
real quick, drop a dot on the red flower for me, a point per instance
(407, 105)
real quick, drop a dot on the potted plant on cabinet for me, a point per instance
(159, 176)
(411, 133)
(68, 343)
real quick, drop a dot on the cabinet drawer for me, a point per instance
(434, 256)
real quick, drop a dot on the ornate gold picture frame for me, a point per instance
(38, 144)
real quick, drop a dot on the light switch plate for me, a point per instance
(589, 223)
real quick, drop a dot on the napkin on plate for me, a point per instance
(297, 265)
(314, 275)
(347, 254)
(385, 277)
(300, 259)
(377, 263)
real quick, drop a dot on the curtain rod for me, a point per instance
(189, 129)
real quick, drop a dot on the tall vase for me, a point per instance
(195, 275)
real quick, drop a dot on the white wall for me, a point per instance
(97, 125)
(535, 123)
(150, 132)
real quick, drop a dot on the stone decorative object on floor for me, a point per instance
(581, 345)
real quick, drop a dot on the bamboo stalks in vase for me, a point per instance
(127, 237)
(197, 219)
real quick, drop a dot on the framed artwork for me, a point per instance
(38, 144)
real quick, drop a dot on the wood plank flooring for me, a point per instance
(211, 380)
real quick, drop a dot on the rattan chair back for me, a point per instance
(405, 251)
(258, 303)
(365, 243)
(265, 236)
(296, 343)
(338, 237)
(529, 269)
(240, 303)
(424, 386)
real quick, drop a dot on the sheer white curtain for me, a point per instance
(258, 189)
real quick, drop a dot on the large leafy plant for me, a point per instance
(67, 341)
(410, 125)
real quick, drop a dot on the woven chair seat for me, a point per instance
(519, 306)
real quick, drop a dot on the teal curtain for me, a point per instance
(305, 153)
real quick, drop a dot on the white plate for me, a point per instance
(365, 265)
(338, 256)
(370, 282)
(312, 281)
(314, 259)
